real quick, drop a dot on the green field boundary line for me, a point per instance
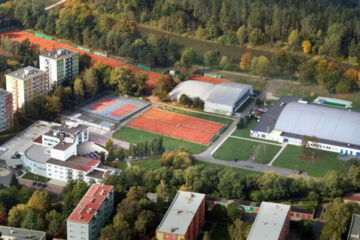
(255, 140)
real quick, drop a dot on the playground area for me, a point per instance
(178, 126)
(19, 36)
(115, 108)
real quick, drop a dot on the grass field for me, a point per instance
(36, 178)
(245, 132)
(146, 164)
(243, 172)
(205, 116)
(242, 149)
(136, 136)
(290, 158)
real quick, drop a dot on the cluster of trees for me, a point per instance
(194, 103)
(92, 28)
(330, 27)
(329, 75)
(177, 159)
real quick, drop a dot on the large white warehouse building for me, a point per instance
(224, 98)
(336, 129)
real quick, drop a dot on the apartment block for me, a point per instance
(6, 110)
(24, 84)
(184, 218)
(91, 214)
(60, 64)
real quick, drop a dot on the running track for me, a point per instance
(18, 36)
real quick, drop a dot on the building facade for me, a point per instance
(6, 110)
(60, 65)
(11, 233)
(54, 155)
(271, 222)
(91, 214)
(24, 84)
(184, 218)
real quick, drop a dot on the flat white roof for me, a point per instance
(269, 221)
(181, 212)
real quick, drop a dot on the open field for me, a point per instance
(205, 116)
(146, 164)
(324, 162)
(36, 178)
(245, 132)
(177, 126)
(243, 172)
(18, 36)
(133, 135)
(243, 149)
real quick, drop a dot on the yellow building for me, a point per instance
(24, 84)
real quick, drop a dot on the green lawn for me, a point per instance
(146, 164)
(205, 116)
(244, 172)
(133, 135)
(243, 149)
(290, 158)
(36, 178)
(245, 132)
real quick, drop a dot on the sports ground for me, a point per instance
(18, 36)
(114, 108)
(178, 126)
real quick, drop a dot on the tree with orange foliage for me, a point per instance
(245, 62)
(3, 218)
(358, 81)
(306, 45)
(351, 74)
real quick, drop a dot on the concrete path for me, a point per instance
(255, 140)
(277, 155)
(54, 5)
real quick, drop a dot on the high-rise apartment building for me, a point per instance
(60, 64)
(24, 84)
(6, 110)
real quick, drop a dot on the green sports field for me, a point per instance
(205, 116)
(133, 135)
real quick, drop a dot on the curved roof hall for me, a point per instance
(335, 124)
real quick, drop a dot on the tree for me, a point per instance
(126, 82)
(188, 58)
(306, 45)
(198, 103)
(263, 66)
(13, 181)
(294, 40)
(241, 35)
(211, 58)
(40, 202)
(306, 72)
(79, 92)
(256, 37)
(2, 218)
(30, 220)
(163, 86)
(225, 63)
(185, 100)
(234, 211)
(206, 236)
(17, 214)
(238, 230)
(145, 223)
(91, 82)
(245, 62)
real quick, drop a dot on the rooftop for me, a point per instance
(354, 231)
(21, 233)
(26, 73)
(58, 53)
(38, 153)
(70, 127)
(353, 198)
(76, 162)
(181, 212)
(269, 221)
(4, 93)
(90, 203)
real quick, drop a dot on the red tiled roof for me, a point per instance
(38, 139)
(355, 198)
(90, 203)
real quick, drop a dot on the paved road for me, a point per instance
(55, 4)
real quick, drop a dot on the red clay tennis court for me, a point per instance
(177, 126)
(212, 80)
(123, 110)
(101, 105)
(18, 36)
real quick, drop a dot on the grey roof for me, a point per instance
(26, 73)
(228, 93)
(59, 53)
(38, 153)
(354, 231)
(269, 221)
(268, 119)
(181, 212)
(75, 162)
(71, 130)
(21, 233)
(323, 122)
(4, 93)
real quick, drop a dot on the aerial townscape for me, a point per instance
(179, 120)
